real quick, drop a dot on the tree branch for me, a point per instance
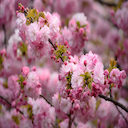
(114, 102)
(121, 114)
(5, 38)
(8, 103)
(54, 48)
(107, 3)
(46, 100)
(116, 106)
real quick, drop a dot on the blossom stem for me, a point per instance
(114, 102)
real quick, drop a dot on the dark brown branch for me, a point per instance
(107, 3)
(52, 44)
(5, 38)
(116, 106)
(54, 48)
(110, 91)
(114, 102)
(46, 100)
(121, 114)
(70, 122)
(9, 104)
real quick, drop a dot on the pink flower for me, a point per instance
(33, 87)
(117, 77)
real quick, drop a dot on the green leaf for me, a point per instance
(61, 49)
(16, 119)
(68, 78)
(1, 62)
(29, 111)
(41, 14)
(5, 84)
(23, 48)
(0, 108)
(21, 80)
(98, 102)
(78, 24)
(87, 79)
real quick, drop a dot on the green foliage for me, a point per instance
(23, 48)
(120, 2)
(98, 102)
(5, 84)
(0, 108)
(80, 26)
(61, 49)
(112, 65)
(95, 123)
(16, 119)
(32, 16)
(87, 80)
(21, 80)
(1, 62)
(57, 122)
(29, 111)
(68, 78)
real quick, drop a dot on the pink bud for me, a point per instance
(53, 57)
(22, 8)
(13, 104)
(66, 43)
(69, 53)
(80, 90)
(39, 85)
(69, 57)
(24, 82)
(3, 52)
(77, 106)
(59, 77)
(52, 50)
(19, 8)
(34, 68)
(106, 72)
(81, 30)
(25, 70)
(22, 91)
(65, 63)
(85, 62)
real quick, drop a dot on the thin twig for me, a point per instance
(114, 102)
(52, 44)
(110, 91)
(11, 105)
(5, 101)
(107, 3)
(121, 114)
(5, 38)
(54, 48)
(46, 100)
(116, 106)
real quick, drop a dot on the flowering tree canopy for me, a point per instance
(63, 64)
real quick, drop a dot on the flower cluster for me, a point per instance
(63, 64)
